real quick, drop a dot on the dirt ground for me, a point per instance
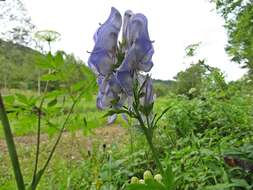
(106, 135)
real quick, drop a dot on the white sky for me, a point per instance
(173, 25)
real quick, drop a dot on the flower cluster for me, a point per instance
(118, 65)
(147, 175)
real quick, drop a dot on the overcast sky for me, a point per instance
(173, 25)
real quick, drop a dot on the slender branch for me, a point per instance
(148, 133)
(40, 173)
(149, 137)
(11, 146)
(155, 154)
(38, 133)
(39, 127)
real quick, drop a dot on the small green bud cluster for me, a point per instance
(147, 175)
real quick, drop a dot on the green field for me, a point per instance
(106, 123)
(194, 137)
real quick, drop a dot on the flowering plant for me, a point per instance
(120, 68)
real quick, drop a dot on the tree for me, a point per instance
(15, 24)
(238, 16)
(189, 82)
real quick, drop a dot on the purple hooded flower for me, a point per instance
(110, 93)
(136, 50)
(127, 17)
(103, 56)
(148, 97)
(139, 54)
(137, 27)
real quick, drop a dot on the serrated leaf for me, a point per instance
(58, 59)
(43, 62)
(160, 116)
(52, 102)
(150, 184)
(49, 77)
(9, 99)
(22, 98)
(137, 187)
(240, 183)
(85, 121)
(55, 93)
(112, 112)
(222, 186)
(78, 86)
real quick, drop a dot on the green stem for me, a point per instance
(11, 146)
(41, 172)
(38, 177)
(154, 152)
(38, 134)
(149, 136)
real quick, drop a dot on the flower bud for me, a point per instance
(158, 178)
(147, 175)
(141, 181)
(134, 180)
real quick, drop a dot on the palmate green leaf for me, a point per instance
(50, 58)
(43, 62)
(150, 184)
(221, 186)
(55, 76)
(78, 85)
(52, 129)
(241, 183)
(49, 77)
(160, 116)
(9, 100)
(112, 112)
(58, 59)
(50, 61)
(52, 102)
(22, 98)
(55, 93)
(137, 187)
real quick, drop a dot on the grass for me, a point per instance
(68, 165)
(25, 122)
(192, 138)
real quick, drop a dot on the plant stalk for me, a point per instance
(149, 136)
(38, 134)
(11, 146)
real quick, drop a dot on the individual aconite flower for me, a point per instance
(127, 17)
(103, 56)
(139, 54)
(110, 93)
(148, 93)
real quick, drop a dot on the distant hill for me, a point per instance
(18, 68)
(17, 65)
(165, 82)
(163, 87)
